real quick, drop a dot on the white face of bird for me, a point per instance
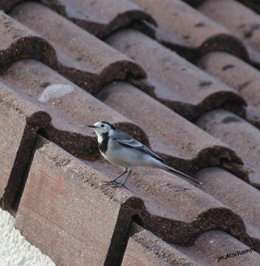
(102, 128)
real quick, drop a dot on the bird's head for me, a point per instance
(102, 127)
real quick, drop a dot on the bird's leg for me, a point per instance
(129, 170)
(114, 180)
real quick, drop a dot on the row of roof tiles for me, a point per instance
(91, 64)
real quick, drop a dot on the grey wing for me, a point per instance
(128, 141)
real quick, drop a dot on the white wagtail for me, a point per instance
(123, 150)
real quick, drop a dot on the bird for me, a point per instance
(121, 149)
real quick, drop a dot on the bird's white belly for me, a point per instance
(124, 157)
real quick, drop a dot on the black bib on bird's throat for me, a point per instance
(103, 145)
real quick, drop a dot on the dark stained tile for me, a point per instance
(240, 135)
(177, 83)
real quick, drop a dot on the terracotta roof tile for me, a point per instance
(238, 75)
(177, 83)
(20, 42)
(62, 194)
(75, 59)
(144, 248)
(231, 191)
(100, 18)
(241, 136)
(175, 16)
(235, 17)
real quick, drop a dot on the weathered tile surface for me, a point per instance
(241, 136)
(177, 83)
(100, 18)
(67, 209)
(238, 75)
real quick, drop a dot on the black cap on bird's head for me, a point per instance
(104, 122)
(102, 127)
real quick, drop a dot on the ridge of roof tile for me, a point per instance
(93, 18)
(20, 42)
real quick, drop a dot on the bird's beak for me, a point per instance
(92, 126)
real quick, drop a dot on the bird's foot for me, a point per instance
(113, 182)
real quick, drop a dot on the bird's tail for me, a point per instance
(180, 174)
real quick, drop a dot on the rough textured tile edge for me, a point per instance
(102, 30)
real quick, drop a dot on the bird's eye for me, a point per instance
(102, 125)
